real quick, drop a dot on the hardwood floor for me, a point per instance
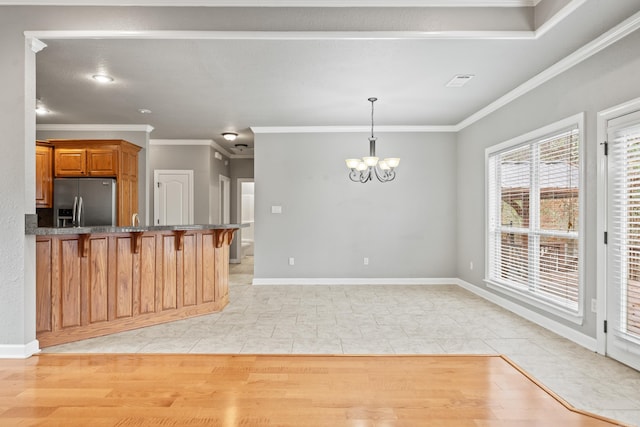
(276, 390)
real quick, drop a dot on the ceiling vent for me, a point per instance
(460, 80)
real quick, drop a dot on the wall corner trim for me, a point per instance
(564, 331)
(8, 351)
(36, 44)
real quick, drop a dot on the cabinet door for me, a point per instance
(102, 161)
(70, 162)
(127, 188)
(44, 177)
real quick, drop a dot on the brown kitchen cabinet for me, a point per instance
(76, 162)
(44, 175)
(102, 158)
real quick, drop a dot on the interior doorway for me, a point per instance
(246, 209)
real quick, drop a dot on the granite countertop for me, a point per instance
(32, 228)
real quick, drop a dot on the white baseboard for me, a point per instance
(537, 318)
(9, 351)
(355, 281)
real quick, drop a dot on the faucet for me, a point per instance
(135, 220)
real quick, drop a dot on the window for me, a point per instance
(533, 213)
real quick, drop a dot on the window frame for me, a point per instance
(541, 302)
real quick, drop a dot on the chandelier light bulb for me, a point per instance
(393, 162)
(352, 163)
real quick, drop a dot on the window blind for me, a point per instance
(533, 218)
(624, 229)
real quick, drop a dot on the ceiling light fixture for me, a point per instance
(102, 78)
(241, 147)
(230, 136)
(363, 170)
(144, 111)
(41, 110)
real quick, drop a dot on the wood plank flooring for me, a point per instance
(274, 390)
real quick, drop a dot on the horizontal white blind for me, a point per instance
(533, 218)
(624, 169)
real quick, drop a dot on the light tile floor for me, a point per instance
(385, 320)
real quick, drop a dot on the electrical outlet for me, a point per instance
(292, 261)
(366, 261)
(594, 305)
(470, 265)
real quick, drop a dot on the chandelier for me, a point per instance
(363, 170)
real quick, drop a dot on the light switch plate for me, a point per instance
(276, 209)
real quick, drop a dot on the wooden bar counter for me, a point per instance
(93, 281)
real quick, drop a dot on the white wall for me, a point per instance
(605, 80)
(406, 228)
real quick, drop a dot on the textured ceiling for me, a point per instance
(199, 88)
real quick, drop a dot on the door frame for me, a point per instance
(601, 215)
(238, 251)
(224, 199)
(156, 207)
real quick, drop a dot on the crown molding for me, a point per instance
(617, 33)
(559, 16)
(95, 128)
(199, 142)
(180, 142)
(282, 35)
(221, 149)
(351, 129)
(278, 3)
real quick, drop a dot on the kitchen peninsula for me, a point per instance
(93, 281)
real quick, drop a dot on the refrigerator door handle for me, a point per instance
(80, 212)
(75, 208)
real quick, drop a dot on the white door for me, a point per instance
(623, 240)
(225, 199)
(173, 197)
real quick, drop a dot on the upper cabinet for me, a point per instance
(102, 158)
(90, 161)
(44, 175)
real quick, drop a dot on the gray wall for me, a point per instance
(605, 80)
(240, 168)
(329, 224)
(140, 139)
(194, 157)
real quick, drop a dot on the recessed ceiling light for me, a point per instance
(144, 111)
(102, 78)
(230, 136)
(41, 111)
(460, 80)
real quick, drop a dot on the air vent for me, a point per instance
(460, 80)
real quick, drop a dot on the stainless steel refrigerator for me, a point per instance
(84, 202)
